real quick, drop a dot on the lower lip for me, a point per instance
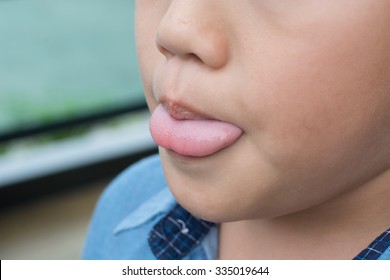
(196, 138)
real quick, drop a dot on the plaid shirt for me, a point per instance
(376, 248)
(174, 236)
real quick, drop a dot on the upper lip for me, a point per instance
(180, 111)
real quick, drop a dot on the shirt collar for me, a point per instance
(174, 225)
(175, 235)
(158, 205)
(377, 248)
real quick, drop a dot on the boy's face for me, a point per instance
(307, 81)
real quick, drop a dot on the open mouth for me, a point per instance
(193, 135)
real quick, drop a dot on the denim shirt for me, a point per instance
(135, 202)
(127, 211)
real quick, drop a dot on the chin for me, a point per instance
(217, 189)
(204, 204)
(214, 205)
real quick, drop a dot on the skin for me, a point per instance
(309, 83)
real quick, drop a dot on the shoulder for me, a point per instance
(135, 184)
(132, 187)
(126, 208)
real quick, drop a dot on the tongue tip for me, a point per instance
(196, 138)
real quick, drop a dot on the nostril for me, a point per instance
(166, 51)
(162, 49)
(215, 54)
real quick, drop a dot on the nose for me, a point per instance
(194, 28)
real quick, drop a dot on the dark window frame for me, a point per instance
(67, 180)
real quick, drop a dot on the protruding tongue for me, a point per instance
(191, 137)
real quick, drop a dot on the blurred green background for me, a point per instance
(61, 59)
